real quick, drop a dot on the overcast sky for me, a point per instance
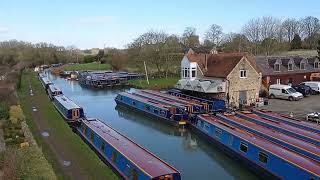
(115, 23)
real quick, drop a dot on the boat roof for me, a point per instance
(309, 147)
(145, 100)
(157, 98)
(142, 158)
(173, 98)
(53, 88)
(301, 161)
(312, 135)
(292, 120)
(46, 80)
(66, 102)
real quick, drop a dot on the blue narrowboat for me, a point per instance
(305, 135)
(128, 158)
(68, 109)
(285, 119)
(53, 90)
(261, 155)
(151, 108)
(45, 82)
(298, 145)
(214, 105)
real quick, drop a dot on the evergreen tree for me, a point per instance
(296, 42)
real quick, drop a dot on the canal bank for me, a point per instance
(70, 157)
(193, 156)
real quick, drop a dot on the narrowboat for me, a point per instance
(264, 157)
(285, 119)
(192, 106)
(45, 82)
(298, 145)
(305, 135)
(128, 158)
(213, 104)
(152, 108)
(54, 90)
(70, 111)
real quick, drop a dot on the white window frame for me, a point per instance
(195, 72)
(291, 67)
(278, 81)
(243, 73)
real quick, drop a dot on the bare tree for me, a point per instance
(311, 29)
(190, 38)
(291, 27)
(214, 34)
(252, 30)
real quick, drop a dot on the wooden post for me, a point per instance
(145, 68)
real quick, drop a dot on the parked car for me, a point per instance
(303, 89)
(315, 86)
(284, 92)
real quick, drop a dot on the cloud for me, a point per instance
(99, 20)
(3, 30)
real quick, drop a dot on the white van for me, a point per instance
(284, 92)
(315, 85)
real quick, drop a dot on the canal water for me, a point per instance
(196, 158)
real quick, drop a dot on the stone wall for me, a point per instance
(251, 83)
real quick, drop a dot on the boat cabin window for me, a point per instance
(135, 174)
(244, 147)
(103, 146)
(133, 103)
(114, 156)
(147, 107)
(155, 110)
(218, 133)
(92, 136)
(263, 157)
(121, 98)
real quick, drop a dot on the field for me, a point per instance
(87, 66)
(70, 157)
(301, 52)
(155, 83)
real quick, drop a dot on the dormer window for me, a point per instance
(302, 66)
(290, 67)
(277, 67)
(316, 64)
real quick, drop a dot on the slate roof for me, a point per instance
(267, 65)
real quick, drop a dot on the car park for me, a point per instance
(284, 92)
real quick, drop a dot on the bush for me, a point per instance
(89, 59)
(16, 114)
(4, 110)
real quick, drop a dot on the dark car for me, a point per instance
(303, 89)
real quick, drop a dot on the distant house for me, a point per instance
(288, 70)
(233, 77)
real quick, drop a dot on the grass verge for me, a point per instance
(155, 83)
(78, 151)
(87, 66)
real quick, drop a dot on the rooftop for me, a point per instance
(141, 157)
(66, 102)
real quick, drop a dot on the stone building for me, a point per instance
(233, 77)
